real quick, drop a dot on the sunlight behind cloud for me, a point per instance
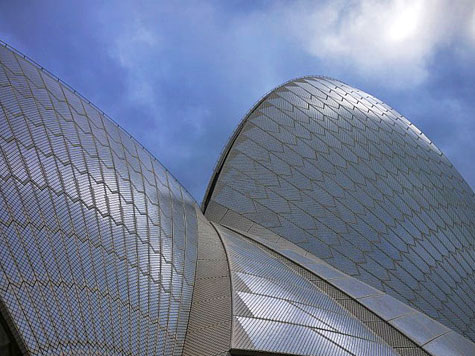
(392, 40)
(405, 22)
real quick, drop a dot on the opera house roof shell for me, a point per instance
(331, 226)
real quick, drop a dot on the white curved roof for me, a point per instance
(102, 251)
(350, 180)
(97, 239)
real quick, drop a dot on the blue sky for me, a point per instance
(180, 75)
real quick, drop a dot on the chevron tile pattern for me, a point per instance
(350, 180)
(97, 240)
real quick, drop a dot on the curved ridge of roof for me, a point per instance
(227, 147)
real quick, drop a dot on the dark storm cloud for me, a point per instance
(180, 76)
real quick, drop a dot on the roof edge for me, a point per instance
(228, 146)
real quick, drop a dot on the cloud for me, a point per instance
(190, 72)
(394, 40)
(472, 26)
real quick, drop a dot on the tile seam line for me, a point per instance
(436, 337)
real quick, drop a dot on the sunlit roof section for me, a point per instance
(97, 239)
(347, 178)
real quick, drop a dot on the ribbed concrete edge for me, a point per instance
(209, 327)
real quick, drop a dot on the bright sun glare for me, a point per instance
(404, 21)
